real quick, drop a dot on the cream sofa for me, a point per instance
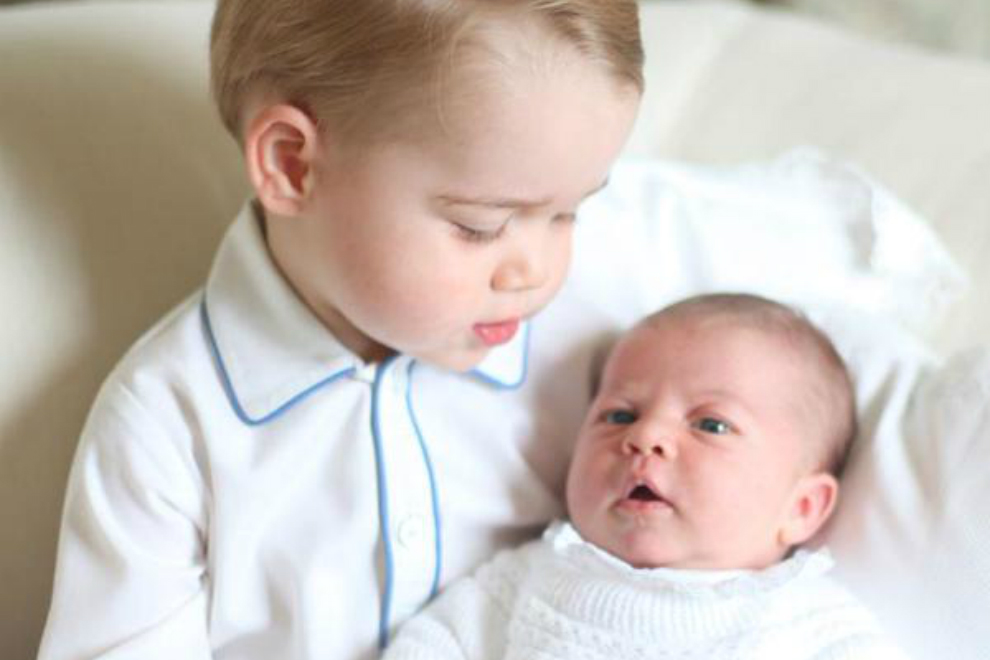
(116, 182)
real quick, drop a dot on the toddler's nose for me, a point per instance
(524, 271)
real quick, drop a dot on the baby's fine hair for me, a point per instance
(832, 399)
(365, 66)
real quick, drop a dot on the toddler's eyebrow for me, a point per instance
(507, 202)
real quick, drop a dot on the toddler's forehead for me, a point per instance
(508, 60)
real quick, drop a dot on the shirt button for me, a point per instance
(411, 531)
(365, 372)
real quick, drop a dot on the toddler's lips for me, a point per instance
(493, 334)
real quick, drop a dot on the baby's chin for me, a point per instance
(641, 557)
(652, 558)
(635, 548)
(642, 549)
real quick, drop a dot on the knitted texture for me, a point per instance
(561, 598)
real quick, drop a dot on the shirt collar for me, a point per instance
(271, 350)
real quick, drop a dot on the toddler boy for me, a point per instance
(278, 469)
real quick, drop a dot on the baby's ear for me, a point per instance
(280, 146)
(812, 501)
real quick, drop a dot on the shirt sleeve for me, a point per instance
(130, 579)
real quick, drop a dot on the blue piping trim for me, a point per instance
(229, 387)
(525, 368)
(383, 515)
(435, 499)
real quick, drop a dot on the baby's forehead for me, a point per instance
(802, 373)
(776, 330)
(715, 356)
(711, 333)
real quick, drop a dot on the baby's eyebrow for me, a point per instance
(729, 400)
(506, 202)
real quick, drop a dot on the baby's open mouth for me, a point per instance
(645, 499)
(644, 493)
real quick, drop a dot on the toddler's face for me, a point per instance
(691, 452)
(439, 248)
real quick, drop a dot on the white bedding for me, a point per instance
(911, 531)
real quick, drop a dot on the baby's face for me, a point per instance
(439, 247)
(691, 452)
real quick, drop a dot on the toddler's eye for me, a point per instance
(473, 235)
(712, 425)
(620, 417)
(482, 229)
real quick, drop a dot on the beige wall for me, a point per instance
(960, 26)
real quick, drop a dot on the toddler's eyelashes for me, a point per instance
(473, 235)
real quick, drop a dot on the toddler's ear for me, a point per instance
(812, 502)
(279, 149)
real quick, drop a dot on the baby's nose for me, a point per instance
(650, 442)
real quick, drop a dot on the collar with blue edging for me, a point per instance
(270, 349)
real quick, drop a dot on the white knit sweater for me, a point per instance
(561, 597)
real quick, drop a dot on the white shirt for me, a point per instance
(562, 598)
(247, 489)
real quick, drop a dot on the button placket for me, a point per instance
(411, 528)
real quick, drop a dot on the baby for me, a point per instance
(711, 451)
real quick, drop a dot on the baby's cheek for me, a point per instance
(585, 487)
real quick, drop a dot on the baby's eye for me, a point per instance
(620, 417)
(712, 425)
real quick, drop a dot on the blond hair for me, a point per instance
(830, 400)
(365, 66)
